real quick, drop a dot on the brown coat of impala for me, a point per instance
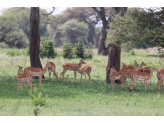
(37, 72)
(51, 68)
(141, 76)
(147, 70)
(84, 70)
(22, 78)
(72, 67)
(133, 67)
(114, 75)
(160, 76)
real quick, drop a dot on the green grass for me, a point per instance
(72, 97)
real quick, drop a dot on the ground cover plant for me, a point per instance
(72, 97)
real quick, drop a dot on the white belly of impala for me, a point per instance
(140, 79)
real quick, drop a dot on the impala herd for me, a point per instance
(126, 71)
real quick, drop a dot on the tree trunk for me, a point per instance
(95, 39)
(114, 51)
(34, 38)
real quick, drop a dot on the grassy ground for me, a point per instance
(72, 97)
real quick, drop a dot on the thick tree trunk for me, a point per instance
(34, 38)
(114, 51)
(96, 39)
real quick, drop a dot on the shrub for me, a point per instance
(68, 51)
(79, 49)
(47, 49)
(88, 54)
(13, 52)
(26, 52)
(132, 53)
(37, 98)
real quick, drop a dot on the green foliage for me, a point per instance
(37, 98)
(13, 52)
(47, 49)
(132, 53)
(26, 52)
(79, 49)
(68, 51)
(135, 28)
(73, 31)
(88, 54)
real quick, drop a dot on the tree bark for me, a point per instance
(34, 38)
(114, 50)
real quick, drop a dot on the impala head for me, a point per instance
(123, 65)
(20, 71)
(112, 70)
(154, 69)
(82, 61)
(143, 64)
(137, 65)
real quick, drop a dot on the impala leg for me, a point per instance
(40, 81)
(55, 75)
(81, 76)
(131, 84)
(150, 81)
(74, 74)
(18, 86)
(64, 71)
(145, 84)
(30, 84)
(50, 74)
(89, 76)
(21, 86)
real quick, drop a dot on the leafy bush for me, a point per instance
(79, 49)
(3, 45)
(13, 52)
(132, 53)
(68, 51)
(37, 98)
(88, 54)
(26, 52)
(47, 49)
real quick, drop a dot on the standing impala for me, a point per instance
(84, 70)
(114, 75)
(160, 76)
(21, 77)
(141, 76)
(37, 72)
(51, 68)
(72, 67)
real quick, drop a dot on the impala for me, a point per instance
(133, 67)
(37, 72)
(72, 67)
(160, 76)
(147, 70)
(141, 76)
(51, 68)
(84, 70)
(21, 77)
(114, 75)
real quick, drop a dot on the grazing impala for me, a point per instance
(160, 76)
(37, 72)
(114, 75)
(141, 76)
(133, 67)
(84, 70)
(21, 77)
(51, 68)
(73, 67)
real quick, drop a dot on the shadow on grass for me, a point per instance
(69, 88)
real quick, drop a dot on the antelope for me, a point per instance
(160, 76)
(141, 76)
(147, 70)
(114, 75)
(133, 67)
(37, 72)
(51, 68)
(84, 70)
(21, 77)
(72, 67)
